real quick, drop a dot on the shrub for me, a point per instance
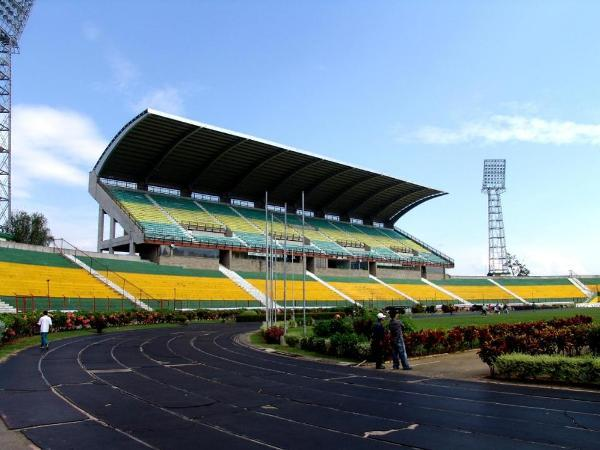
(430, 309)
(344, 344)
(292, 341)
(418, 308)
(249, 315)
(327, 328)
(273, 335)
(549, 367)
(594, 340)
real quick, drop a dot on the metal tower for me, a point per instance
(494, 184)
(13, 16)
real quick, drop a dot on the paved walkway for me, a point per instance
(200, 387)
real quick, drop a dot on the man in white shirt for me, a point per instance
(44, 323)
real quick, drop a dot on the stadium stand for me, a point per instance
(476, 290)
(366, 291)
(154, 222)
(51, 281)
(177, 287)
(592, 283)
(419, 291)
(317, 295)
(535, 290)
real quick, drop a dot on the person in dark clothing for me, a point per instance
(398, 347)
(377, 341)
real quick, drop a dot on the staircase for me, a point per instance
(508, 291)
(238, 280)
(446, 291)
(170, 217)
(107, 282)
(330, 287)
(6, 308)
(397, 291)
(582, 287)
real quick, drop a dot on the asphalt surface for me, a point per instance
(200, 387)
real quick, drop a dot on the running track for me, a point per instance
(199, 387)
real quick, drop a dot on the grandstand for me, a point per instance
(190, 201)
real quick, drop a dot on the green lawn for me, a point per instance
(445, 321)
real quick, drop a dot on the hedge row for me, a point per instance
(568, 337)
(19, 325)
(557, 368)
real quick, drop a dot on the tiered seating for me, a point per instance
(419, 291)
(592, 283)
(543, 289)
(317, 295)
(153, 221)
(36, 274)
(184, 210)
(178, 286)
(366, 291)
(476, 290)
(248, 224)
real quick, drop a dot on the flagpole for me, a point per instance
(303, 271)
(285, 237)
(267, 312)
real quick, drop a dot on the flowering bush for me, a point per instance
(273, 334)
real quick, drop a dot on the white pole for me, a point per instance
(273, 279)
(267, 313)
(303, 272)
(285, 267)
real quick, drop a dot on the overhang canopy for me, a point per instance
(160, 149)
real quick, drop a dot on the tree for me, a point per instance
(517, 268)
(29, 228)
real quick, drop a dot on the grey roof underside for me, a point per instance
(160, 149)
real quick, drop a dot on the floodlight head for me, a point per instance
(494, 171)
(13, 16)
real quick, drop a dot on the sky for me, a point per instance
(423, 91)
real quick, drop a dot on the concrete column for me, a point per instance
(131, 246)
(112, 234)
(373, 268)
(100, 226)
(225, 258)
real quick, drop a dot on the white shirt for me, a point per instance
(45, 323)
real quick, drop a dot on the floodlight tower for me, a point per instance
(494, 171)
(13, 16)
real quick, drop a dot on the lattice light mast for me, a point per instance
(494, 171)
(13, 16)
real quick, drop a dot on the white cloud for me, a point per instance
(51, 144)
(167, 99)
(506, 128)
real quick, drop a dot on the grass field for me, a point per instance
(445, 321)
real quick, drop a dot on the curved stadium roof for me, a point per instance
(162, 149)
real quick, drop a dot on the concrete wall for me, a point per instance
(408, 274)
(190, 262)
(342, 272)
(39, 248)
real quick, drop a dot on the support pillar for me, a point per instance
(373, 268)
(225, 258)
(100, 226)
(113, 222)
(131, 246)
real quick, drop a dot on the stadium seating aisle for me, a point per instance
(153, 221)
(26, 274)
(367, 291)
(419, 291)
(479, 290)
(317, 295)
